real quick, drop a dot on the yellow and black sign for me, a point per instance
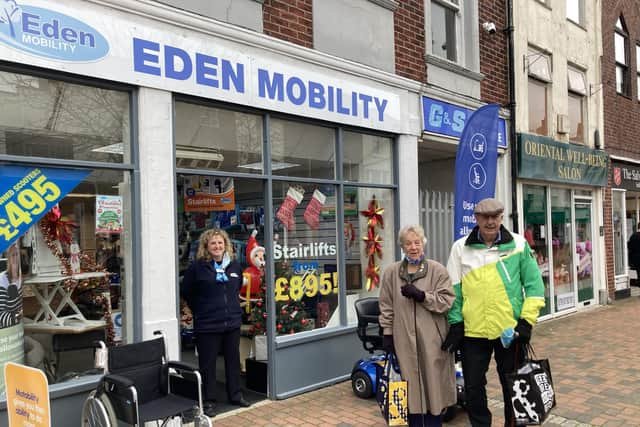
(550, 160)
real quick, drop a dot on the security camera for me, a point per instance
(489, 27)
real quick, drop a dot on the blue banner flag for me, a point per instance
(27, 193)
(476, 163)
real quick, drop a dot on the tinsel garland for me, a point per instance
(51, 234)
(373, 242)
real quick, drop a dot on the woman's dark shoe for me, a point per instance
(209, 409)
(240, 402)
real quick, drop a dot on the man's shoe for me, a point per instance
(240, 402)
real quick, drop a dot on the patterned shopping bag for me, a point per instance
(392, 393)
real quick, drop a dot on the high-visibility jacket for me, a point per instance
(495, 286)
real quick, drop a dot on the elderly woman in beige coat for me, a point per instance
(415, 295)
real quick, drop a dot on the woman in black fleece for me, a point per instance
(211, 288)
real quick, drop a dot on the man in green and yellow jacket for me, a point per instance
(498, 286)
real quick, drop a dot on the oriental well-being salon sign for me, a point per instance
(549, 160)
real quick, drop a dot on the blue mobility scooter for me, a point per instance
(364, 375)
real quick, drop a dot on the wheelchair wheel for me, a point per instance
(98, 412)
(202, 421)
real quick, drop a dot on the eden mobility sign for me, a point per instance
(49, 34)
(69, 37)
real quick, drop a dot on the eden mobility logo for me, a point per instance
(44, 32)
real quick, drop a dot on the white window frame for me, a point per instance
(570, 4)
(456, 6)
(623, 80)
(577, 88)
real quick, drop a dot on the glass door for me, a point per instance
(584, 250)
(562, 249)
(535, 220)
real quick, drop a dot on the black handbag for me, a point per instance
(531, 390)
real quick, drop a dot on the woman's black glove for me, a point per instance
(387, 343)
(453, 341)
(523, 329)
(410, 291)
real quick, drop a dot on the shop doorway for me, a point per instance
(237, 207)
(559, 229)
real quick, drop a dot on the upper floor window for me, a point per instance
(621, 43)
(638, 69)
(539, 70)
(443, 28)
(577, 86)
(575, 11)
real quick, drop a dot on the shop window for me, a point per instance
(443, 28)
(621, 45)
(534, 201)
(301, 149)
(537, 103)
(619, 241)
(211, 138)
(575, 11)
(74, 268)
(367, 158)
(55, 119)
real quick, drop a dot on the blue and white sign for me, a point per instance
(448, 119)
(50, 34)
(68, 35)
(27, 193)
(476, 161)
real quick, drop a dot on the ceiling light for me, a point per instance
(117, 148)
(274, 166)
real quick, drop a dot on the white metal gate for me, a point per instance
(436, 217)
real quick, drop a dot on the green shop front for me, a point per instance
(561, 198)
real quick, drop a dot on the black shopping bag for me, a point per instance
(531, 389)
(392, 393)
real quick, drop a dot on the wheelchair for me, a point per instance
(139, 385)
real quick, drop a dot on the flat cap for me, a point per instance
(489, 206)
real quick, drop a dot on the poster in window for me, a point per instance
(206, 194)
(108, 214)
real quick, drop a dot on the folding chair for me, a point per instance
(139, 385)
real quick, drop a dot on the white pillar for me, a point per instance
(408, 188)
(158, 229)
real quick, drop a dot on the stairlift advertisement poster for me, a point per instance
(27, 396)
(200, 59)
(476, 163)
(27, 193)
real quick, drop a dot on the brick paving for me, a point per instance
(595, 361)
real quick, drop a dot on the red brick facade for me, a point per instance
(409, 40)
(621, 113)
(290, 20)
(494, 63)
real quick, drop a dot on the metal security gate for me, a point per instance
(436, 217)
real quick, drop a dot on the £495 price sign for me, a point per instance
(27, 193)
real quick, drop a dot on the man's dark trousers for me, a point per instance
(476, 355)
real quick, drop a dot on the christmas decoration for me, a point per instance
(57, 232)
(254, 274)
(373, 242)
(291, 316)
(285, 213)
(312, 212)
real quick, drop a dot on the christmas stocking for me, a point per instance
(312, 213)
(286, 211)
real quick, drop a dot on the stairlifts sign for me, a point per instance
(44, 32)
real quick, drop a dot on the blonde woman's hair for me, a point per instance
(203, 254)
(415, 228)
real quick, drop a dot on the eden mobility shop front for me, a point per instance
(182, 127)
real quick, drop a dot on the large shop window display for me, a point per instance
(65, 277)
(307, 183)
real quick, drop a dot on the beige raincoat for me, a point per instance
(428, 370)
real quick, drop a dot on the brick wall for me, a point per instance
(621, 113)
(409, 40)
(289, 20)
(494, 62)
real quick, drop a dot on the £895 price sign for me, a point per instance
(309, 285)
(27, 194)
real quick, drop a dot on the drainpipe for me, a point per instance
(512, 112)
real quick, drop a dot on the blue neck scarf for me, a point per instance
(414, 261)
(220, 268)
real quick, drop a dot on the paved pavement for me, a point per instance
(595, 361)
